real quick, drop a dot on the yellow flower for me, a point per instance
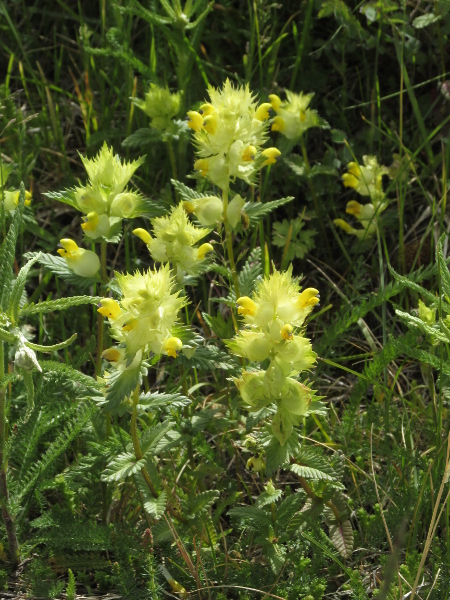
(229, 139)
(146, 314)
(174, 238)
(293, 116)
(272, 154)
(366, 179)
(82, 262)
(11, 199)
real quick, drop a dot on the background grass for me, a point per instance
(381, 79)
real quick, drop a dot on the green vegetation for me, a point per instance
(179, 416)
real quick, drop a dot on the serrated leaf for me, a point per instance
(153, 436)
(19, 287)
(338, 136)
(265, 498)
(296, 164)
(341, 536)
(49, 306)
(250, 272)
(7, 252)
(251, 516)
(202, 502)
(122, 467)
(209, 358)
(155, 507)
(289, 507)
(58, 266)
(223, 329)
(276, 454)
(309, 473)
(152, 400)
(322, 170)
(187, 193)
(141, 138)
(120, 384)
(258, 210)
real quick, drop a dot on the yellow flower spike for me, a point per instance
(111, 355)
(189, 207)
(278, 124)
(68, 246)
(262, 112)
(172, 346)
(109, 308)
(207, 109)
(308, 297)
(272, 155)
(353, 208)
(202, 165)
(246, 306)
(143, 235)
(287, 332)
(90, 222)
(249, 153)
(275, 102)
(203, 250)
(195, 120)
(210, 123)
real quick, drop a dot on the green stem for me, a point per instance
(100, 318)
(229, 242)
(4, 496)
(173, 162)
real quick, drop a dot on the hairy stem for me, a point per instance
(229, 242)
(4, 496)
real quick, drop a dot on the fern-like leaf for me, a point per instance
(258, 210)
(7, 251)
(121, 467)
(61, 304)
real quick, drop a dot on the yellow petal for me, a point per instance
(201, 165)
(286, 332)
(278, 124)
(143, 235)
(271, 154)
(195, 120)
(111, 354)
(207, 109)
(353, 208)
(262, 112)
(308, 297)
(69, 245)
(109, 308)
(246, 306)
(210, 123)
(203, 250)
(275, 102)
(249, 153)
(172, 346)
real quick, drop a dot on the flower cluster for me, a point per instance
(367, 180)
(160, 105)
(174, 239)
(273, 319)
(84, 263)
(105, 200)
(229, 133)
(143, 320)
(293, 117)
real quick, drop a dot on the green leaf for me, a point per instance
(19, 287)
(187, 193)
(413, 321)
(58, 266)
(300, 242)
(341, 536)
(7, 252)
(209, 358)
(146, 136)
(288, 508)
(224, 329)
(251, 516)
(425, 20)
(338, 136)
(53, 347)
(265, 498)
(202, 502)
(296, 164)
(258, 210)
(323, 170)
(120, 384)
(153, 400)
(122, 467)
(250, 272)
(156, 506)
(152, 437)
(276, 454)
(49, 306)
